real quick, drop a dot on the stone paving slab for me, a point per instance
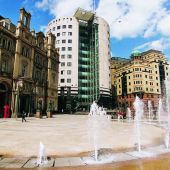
(50, 163)
(142, 154)
(76, 161)
(12, 162)
(61, 162)
(158, 150)
(123, 157)
(31, 163)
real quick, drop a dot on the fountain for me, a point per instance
(160, 110)
(138, 105)
(129, 114)
(149, 110)
(41, 157)
(98, 121)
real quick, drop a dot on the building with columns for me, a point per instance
(83, 41)
(143, 75)
(28, 69)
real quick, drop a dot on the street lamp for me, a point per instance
(19, 86)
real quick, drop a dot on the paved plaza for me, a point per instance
(68, 143)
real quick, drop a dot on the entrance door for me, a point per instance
(24, 103)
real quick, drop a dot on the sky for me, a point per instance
(134, 24)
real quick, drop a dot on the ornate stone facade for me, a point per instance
(28, 69)
(142, 75)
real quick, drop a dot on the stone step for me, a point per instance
(12, 162)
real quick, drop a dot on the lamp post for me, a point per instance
(19, 86)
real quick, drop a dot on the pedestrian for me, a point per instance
(23, 116)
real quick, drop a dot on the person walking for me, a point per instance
(23, 116)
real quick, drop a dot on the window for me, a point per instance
(63, 41)
(156, 78)
(156, 72)
(63, 33)
(53, 28)
(58, 41)
(157, 84)
(68, 72)
(69, 48)
(69, 56)
(24, 70)
(62, 63)
(69, 33)
(4, 66)
(62, 56)
(58, 27)
(69, 64)
(68, 80)
(62, 80)
(63, 48)
(157, 90)
(64, 26)
(129, 83)
(146, 76)
(69, 26)
(62, 72)
(69, 41)
(58, 34)
(129, 77)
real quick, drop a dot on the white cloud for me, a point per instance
(164, 25)
(63, 8)
(161, 44)
(131, 18)
(127, 18)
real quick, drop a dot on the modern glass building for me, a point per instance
(84, 76)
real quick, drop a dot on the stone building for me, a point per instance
(143, 75)
(28, 69)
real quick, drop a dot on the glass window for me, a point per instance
(64, 26)
(63, 33)
(63, 41)
(53, 28)
(24, 70)
(69, 56)
(69, 64)
(58, 27)
(4, 66)
(69, 48)
(68, 80)
(68, 72)
(69, 26)
(62, 56)
(58, 41)
(62, 72)
(69, 41)
(70, 33)
(58, 34)
(62, 63)
(62, 80)
(63, 48)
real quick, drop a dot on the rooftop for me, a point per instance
(84, 15)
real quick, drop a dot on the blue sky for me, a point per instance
(134, 24)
